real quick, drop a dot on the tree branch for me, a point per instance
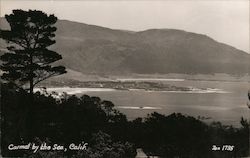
(44, 78)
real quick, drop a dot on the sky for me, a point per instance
(226, 21)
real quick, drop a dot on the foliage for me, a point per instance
(28, 58)
(178, 135)
(108, 132)
(62, 121)
(104, 147)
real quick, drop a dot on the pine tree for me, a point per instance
(29, 60)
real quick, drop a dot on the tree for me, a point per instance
(28, 59)
(102, 145)
(244, 123)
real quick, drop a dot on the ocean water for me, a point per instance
(224, 101)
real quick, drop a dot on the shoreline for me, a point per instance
(78, 90)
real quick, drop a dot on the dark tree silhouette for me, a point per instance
(29, 59)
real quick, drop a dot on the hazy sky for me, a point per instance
(225, 21)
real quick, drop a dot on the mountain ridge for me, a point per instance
(92, 49)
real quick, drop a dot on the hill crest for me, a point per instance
(93, 49)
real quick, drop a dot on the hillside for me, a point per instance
(97, 50)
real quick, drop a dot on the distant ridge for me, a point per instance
(93, 49)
